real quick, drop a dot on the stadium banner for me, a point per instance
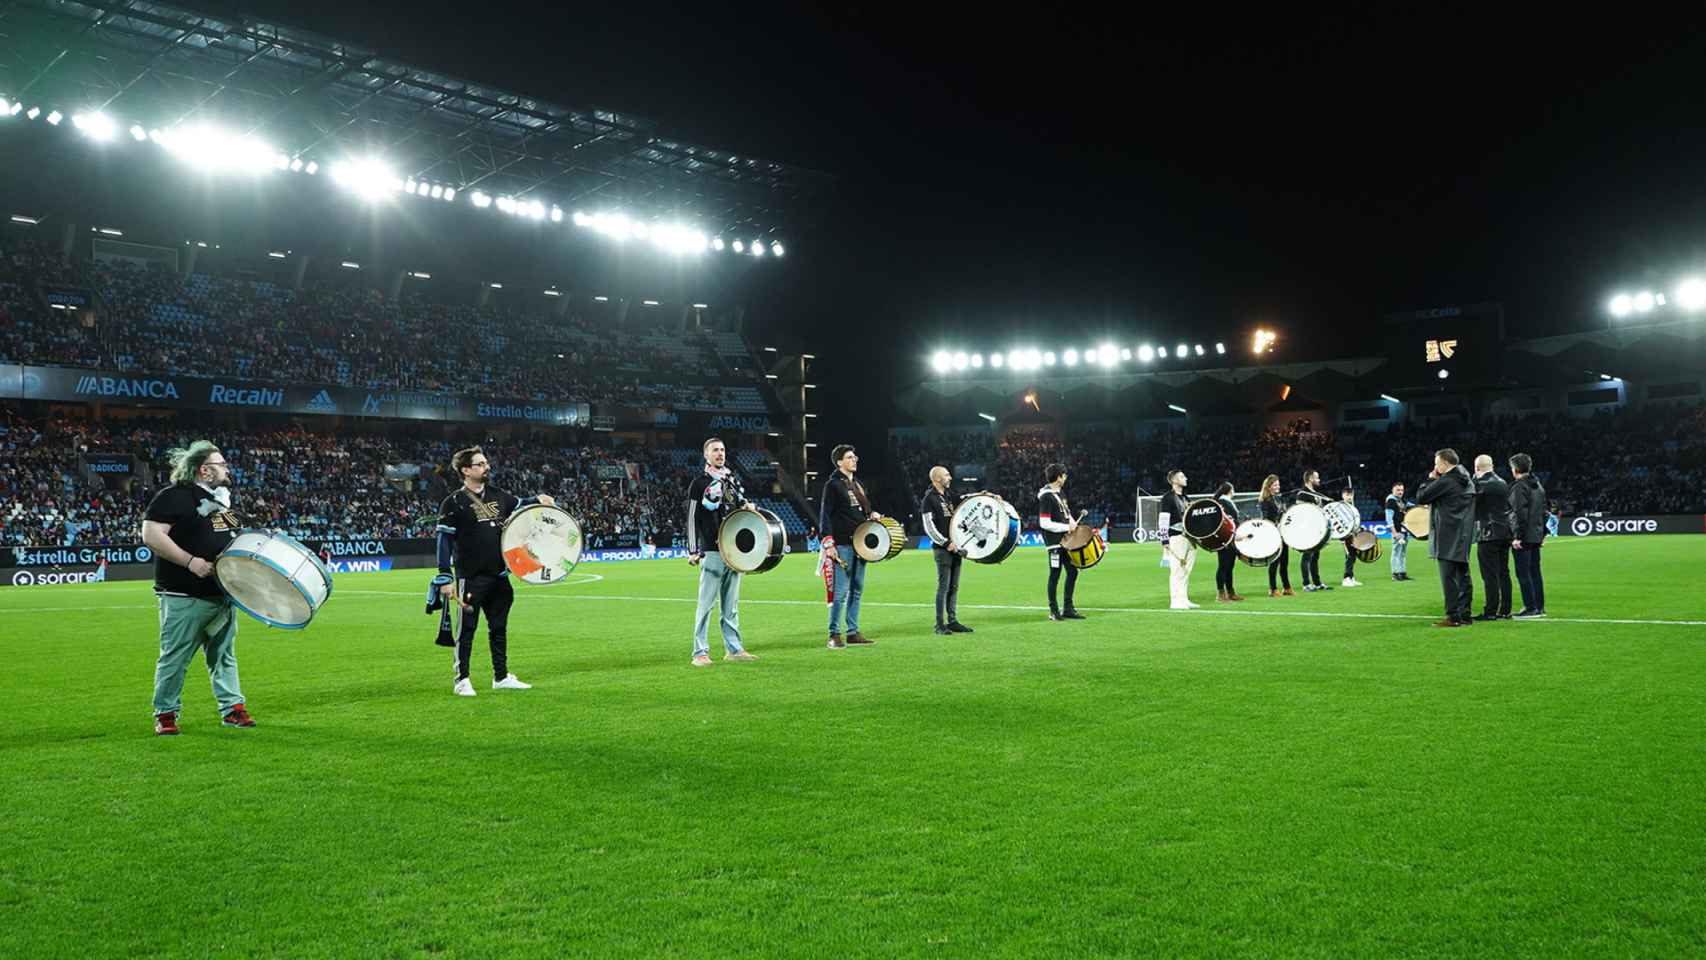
(691, 422)
(67, 384)
(110, 464)
(67, 298)
(75, 555)
(1593, 524)
(360, 565)
(59, 576)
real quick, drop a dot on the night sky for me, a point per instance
(1142, 174)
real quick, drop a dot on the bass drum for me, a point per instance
(878, 540)
(985, 528)
(1342, 519)
(1083, 546)
(1304, 527)
(1417, 520)
(1258, 542)
(752, 540)
(541, 544)
(274, 578)
(1208, 525)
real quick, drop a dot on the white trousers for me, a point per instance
(1181, 557)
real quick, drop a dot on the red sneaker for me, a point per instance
(238, 717)
(165, 724)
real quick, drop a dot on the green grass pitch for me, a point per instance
(1314, 776)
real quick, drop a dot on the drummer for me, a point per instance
(1181, 552)
(1273, 508)
(1310, 561)
(470, 537)
(937, 508)
(715, 493)
(1056, 520)
(1349, 497)
(1224, 591)
(187, 525)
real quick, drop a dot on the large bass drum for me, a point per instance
(985, 528)
(541, 544)
(878, 540)
(1208, 525)
(1258, 542)
(1417, 520)
(274, 578)
(1342, 519)
(752, 540)
(1304, 527)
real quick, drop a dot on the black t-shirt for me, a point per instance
(1174, 506)
(1395, 504)
(202, 527)
(476, 523)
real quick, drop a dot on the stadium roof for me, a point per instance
(317, 98)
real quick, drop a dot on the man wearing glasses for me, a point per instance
(470, 535)
(187, 524)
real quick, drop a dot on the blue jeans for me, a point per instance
(720, 586)
(849, 587)
(1400, 547)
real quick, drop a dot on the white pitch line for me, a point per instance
(1162, 610)
(1326, 614)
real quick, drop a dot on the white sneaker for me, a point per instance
(1348, 582)
(1192, 606)
(464, 688)
(509, 682)
(1180, 606)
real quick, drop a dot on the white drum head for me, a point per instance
(273, 578)
(1304, 527)
(751, 540)
(1257, 540)
(541, 544)
(981, 525)
(1342, 519)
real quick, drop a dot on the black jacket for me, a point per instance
(1528, 511)
(1450, 500)
(937, 513)
(709, 502)
(1174, 506)
(1272, 509)
(1492, 508)
(840, 513)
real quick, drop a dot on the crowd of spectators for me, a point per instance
(316, 486)
(148, 320)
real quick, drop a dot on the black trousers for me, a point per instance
(1528, 578)
(1056, 561)
(1311, 566)
(1350, 564)
(1280, 570)
(1223, 571)
(492, 595)
(1458, 588)
(1494, 557)
(947, 585)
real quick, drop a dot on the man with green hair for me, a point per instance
(187, 524)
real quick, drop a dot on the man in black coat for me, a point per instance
(1493, 539)
(1528, 526)
(1450, 499)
